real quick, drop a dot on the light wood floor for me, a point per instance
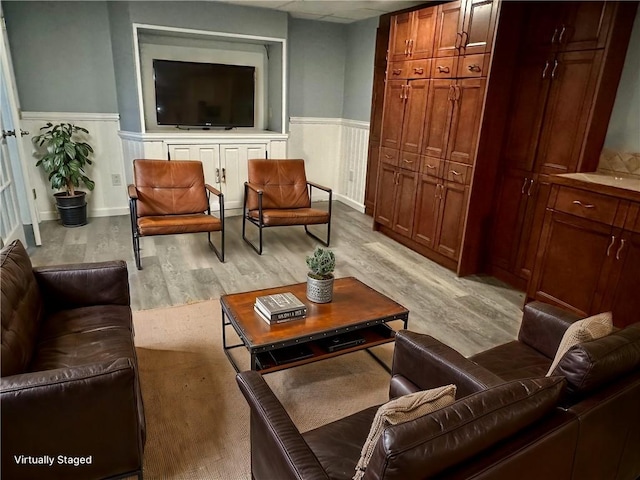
(470, 314)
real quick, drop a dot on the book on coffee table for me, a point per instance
(280, 317)
(280, 306)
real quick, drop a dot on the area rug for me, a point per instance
(197, 419)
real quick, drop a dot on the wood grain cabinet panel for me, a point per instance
(393, 114)
(427, 210)
(437, 119)
(478, 27)
(465, 119)
(411, 36)
(413, 120)
(622, 296)
(385, 196)
(401, 28)
(448, 31)
(405, 200)
(585, 25)
(451, 222)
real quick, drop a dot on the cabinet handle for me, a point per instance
(406, 92)
(555, 66)
(402, 92)
(217, 175)
(584, 205)
(397, 71)
(450, 96)
(224, 175)
(564, 29)
(407, 161)
(418, 71)
(458, 92)
(474, 68)
(386, 155)
(553, 38)
(458, 37)
(524, 185)
(465, 42)
(411, 47)
(430, 166)
(613, 240)
(620, 249)
(544, 70)
(530, 185)
(442, 69)
(454, 172)
(406, 48)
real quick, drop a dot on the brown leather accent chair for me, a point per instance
(170, 197)
(509, 421)
(277, 193)
(69, 384)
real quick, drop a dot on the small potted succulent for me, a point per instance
(320, 277)
(65, 159)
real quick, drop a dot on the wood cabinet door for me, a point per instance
(399, 37)
(586, 25)
(372, 178)
(385, 195)
(377, 103)
(414, 112)
(526, 111)
(438, 118)
(451, 222)
(393, 113)
(405, 202)
(424, 26)
(448, 34)
(572, 268)
(623, 297)
(478, 26)
(427, 210)
(510, 206)
(542, 25)
(574, 76)
(465, 120)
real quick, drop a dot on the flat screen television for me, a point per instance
(204, 94)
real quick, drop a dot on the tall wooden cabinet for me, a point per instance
(483, 102)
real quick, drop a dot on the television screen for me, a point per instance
(204, 94)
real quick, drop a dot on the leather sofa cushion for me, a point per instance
(85, 319)
(429, 445)
(283, 183)
(585, 330)
(590, 365)
(513, 361)
(22, 308)
(174, 187)
(299, 216)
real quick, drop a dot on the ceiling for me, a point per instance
(345, 11)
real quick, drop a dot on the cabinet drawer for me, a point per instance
(444, 67)
(410, 161)
(587, 205)
(431, 166)
(473, 66)
(398, 70)
(389, 155)
(457, 173)
(419, 68)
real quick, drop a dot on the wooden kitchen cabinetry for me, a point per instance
(411, 35)
(589, 256)
(464, 27)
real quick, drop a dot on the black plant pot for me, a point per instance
(72, 208)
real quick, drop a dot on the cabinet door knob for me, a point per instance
(474, 68)
(530, 185)
(544, 70)
(564, 29)
(442, 69)
(406, 47)
(524, 185)
(407, 161)
(386, 155)
(397, 71)
(430, 166)
(418, 71)
(553, 37)
(411, 47)
(620, 249)
(583, 205)
(613, 240)
(224, 175)
(217, 175)
(455, 173)
(555, 67)
(465, 42)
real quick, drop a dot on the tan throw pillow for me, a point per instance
(400, 410)
(583, 330)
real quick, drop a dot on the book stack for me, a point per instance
(280, 307)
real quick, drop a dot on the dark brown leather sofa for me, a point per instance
(69, 392)
(589, 429)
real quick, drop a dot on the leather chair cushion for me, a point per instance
(424, 447)
(22, 309)
(587, 329)
(298, 216)
(283, 182)
(590, 365)
(172, 224)
(174, 187)
(513, 361)
(337, 445)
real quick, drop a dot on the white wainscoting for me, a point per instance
(335, 151)
(106, 199)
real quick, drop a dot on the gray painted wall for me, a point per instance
(624, 127)
(358, 81)
(317, 53)
(63, 65)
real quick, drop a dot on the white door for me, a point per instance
(209, 155)
(17, 204)
(233, 170)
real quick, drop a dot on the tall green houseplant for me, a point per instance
(64, 160)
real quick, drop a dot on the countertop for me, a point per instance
(620, 186)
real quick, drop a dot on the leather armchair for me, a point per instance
(170, 197)
(277, 193)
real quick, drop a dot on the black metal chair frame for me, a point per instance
(259, 221)
(135, 234)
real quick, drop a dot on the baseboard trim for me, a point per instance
(100, 212)
(349, 202)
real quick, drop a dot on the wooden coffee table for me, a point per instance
(355, 308)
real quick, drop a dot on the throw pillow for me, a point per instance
(400, 410)
(584, 330)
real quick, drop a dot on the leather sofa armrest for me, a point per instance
(543, 326)
(278, 450)
(132, 191)
(83, 284)
(91, 410)
(428, 363)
